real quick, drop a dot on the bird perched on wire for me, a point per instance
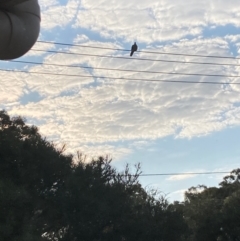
(134, 48)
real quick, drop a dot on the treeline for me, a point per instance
(46, 195)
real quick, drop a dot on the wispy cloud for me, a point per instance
(158, 21)
(181, 177)
(80, 110)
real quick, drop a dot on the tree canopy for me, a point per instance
(46, 195)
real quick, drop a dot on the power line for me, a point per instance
(118, 78)
(141, 59)
(176, 174)
(125, 70)
(149, 52)
(183, 173)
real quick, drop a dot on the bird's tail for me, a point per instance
(131, 54)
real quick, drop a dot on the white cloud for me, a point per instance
(79, 110)
(40, 46)
(93, 151)
(56, 15)
(181, 177)
(233, 38)
(158, 21)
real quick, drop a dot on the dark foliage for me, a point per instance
(45, 195)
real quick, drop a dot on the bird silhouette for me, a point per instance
(134, 48)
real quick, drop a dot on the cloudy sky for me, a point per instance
(168, 127)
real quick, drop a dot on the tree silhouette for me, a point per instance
(47, 196)
(214, 213)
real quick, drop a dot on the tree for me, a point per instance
(31, 172)
(106, 205)
(214, 213)
(45, 195)
(230, 189)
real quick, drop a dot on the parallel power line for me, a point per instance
(148, 52)
(175, 174)
(121, 78)
(125, 70)
(140, 59)
(183, 173)
(138, 79)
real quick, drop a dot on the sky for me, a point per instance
(168, 127)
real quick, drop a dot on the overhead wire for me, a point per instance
(149, 52)
(175, 174)
(129, 70)
(184, 173)
(135, 79)
(132, 58)
(121, 78)
(124, 70)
